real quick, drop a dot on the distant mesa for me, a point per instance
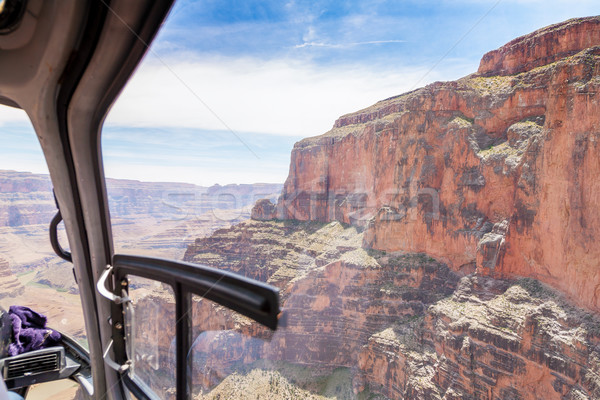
(9, 284)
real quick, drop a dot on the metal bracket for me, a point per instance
(101, 286)
(111, 363)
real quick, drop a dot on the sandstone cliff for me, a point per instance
(495, 172)
(409, 241)
(400, 324)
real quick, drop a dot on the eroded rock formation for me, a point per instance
(403, 324)
(496, 171)
(9, 284)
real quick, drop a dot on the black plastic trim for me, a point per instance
(182, 339)
(137, 388)
(248, 297)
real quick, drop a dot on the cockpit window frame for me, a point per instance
(248, 297)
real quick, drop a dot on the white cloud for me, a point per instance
(346, 45)
(310, 34)
(282, 97)
(10, 115)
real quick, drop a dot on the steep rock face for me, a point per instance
(404, 324)
(541, 47)
(499, 339)
(491, 339)
(335, 296)
(495, 172)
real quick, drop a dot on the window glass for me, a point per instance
(232, 356)
(150, 332)
(31, 274)
(289, 142)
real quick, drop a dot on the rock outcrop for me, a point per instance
(495, 172)
(263, 210)
(9, 284)
(404, 325)
(541, 47)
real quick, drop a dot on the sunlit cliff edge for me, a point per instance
(496, 172)
(410, 240)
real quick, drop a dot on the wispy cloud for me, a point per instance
(194, 156)
(11, 115)
(283, 97)
(346, 45)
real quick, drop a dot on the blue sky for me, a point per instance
(229, 86)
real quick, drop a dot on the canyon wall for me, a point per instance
(151, 218)
(405, 325)
(495, 172)
(25, 199)
(409, 243)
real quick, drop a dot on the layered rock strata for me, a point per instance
(10, 286)
(496, 171)
(404, 324)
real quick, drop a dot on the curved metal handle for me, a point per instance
(111, 363)
(101, 286)
(62, 253)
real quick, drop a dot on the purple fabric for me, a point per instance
(29, 331)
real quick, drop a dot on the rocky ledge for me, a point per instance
(441, 244)
(495, 172)
(404, 325)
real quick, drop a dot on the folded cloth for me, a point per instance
(29, 331)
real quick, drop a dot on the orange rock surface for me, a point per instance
(496, 172)
(404, 325)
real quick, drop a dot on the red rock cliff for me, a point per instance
(497, 171)
(404, 325)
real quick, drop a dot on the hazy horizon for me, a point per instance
(150, 181)
(227, 89)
